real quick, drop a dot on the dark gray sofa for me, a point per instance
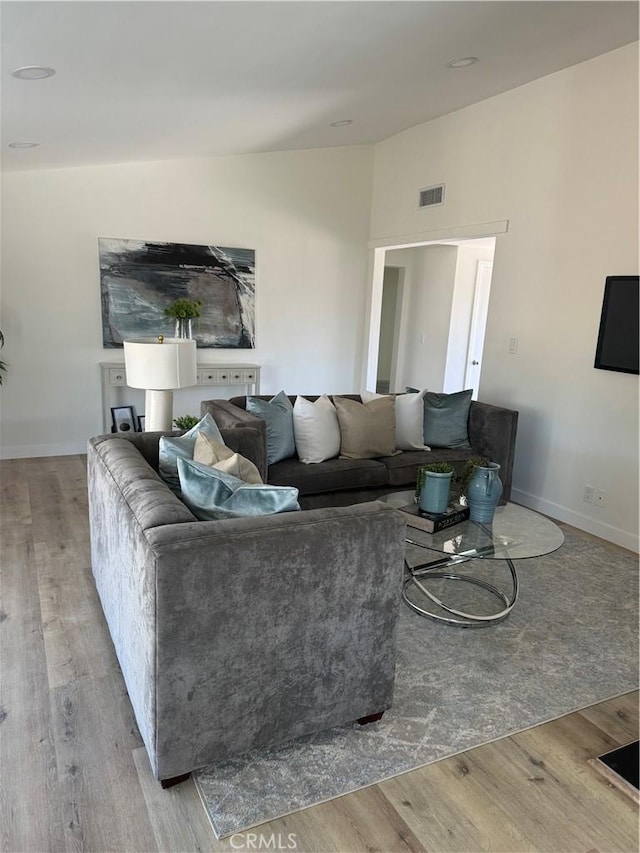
(340, 482)
(244, 632)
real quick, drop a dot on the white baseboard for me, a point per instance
(25, 451)
(624, 538)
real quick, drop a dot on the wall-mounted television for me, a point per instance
(618, 338)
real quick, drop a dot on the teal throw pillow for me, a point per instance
(213, 494)
(445, 419)
(277, 413)
(174, 447)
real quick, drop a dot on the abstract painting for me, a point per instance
(139, 279)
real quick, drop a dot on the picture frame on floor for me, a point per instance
(123, 419)
(140, 423)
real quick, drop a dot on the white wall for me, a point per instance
(306, 213)
(558, 158)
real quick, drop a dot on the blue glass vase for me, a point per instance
(483, 492)
(434, 494)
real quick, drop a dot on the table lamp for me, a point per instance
(159, 365)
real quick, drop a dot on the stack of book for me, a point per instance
(432, 522)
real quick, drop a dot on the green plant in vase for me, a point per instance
(433, 486)
(463, 477)
(185, 421)
(183, 311)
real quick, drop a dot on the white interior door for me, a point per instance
(478, 326)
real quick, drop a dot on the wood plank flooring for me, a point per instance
(74, 775)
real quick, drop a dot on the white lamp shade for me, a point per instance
(160, 366)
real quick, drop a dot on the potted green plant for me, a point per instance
(184, 312)
(185, 421)
(434, 486)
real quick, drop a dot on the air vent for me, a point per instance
(431, 196)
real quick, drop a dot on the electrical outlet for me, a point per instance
(513, 346)
(589, 494)
(601, 498)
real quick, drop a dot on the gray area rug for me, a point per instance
(571, 641)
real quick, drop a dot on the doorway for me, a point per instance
(390, 319)
(461, 314)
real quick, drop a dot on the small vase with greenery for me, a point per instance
(183, 311)
(463, 478)
(185, 421)
(434, 486)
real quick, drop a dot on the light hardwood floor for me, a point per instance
(74, 775)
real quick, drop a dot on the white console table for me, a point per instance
(113, 376)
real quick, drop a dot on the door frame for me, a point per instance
(479, 313)
(377, 252)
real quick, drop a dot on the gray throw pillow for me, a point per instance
(445, 419)
(277, 414)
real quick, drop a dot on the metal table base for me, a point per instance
(465, 620)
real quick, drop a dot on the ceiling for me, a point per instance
(154, 80)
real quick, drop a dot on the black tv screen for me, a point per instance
(618, 338)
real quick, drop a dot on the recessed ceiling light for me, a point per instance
(463, 63)
(23, 144)
(33, 72)
(342, 123)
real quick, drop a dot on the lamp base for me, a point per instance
(158, 411)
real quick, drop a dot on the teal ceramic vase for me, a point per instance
(434, 494)
(483, 492)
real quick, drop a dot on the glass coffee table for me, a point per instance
(516, 533)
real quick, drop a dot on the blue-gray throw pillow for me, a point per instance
(445, 419)
(172, 448)
(277, 413)
(213, 494)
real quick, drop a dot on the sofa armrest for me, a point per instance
(271, 628)
(492, 434)
(230, 417)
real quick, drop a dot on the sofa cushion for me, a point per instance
(316, 429)
(174, 447)
(402, 469)
(445, 419)
(208, 451)
(333, 475)
(409, 418)
(212, 494)
(277, 413)
(367, 430)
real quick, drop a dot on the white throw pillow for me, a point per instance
(409, 419)
(316, 429)
(210, 452)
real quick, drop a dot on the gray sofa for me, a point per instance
(244, 632)
(341, 482)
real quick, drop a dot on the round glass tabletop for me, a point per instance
(516, 533)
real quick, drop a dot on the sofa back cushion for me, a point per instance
(150, 501)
